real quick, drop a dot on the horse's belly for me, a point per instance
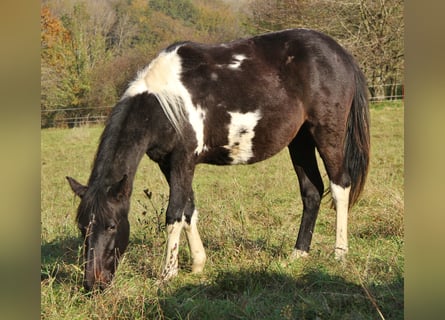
(249, 139)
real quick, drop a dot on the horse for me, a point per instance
(231, 103)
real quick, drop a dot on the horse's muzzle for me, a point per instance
(97, 280)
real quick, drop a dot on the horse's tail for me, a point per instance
(357, 140)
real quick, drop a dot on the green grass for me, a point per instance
(249, 219)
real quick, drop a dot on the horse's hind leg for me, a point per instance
(302, 152)
(194, 240)
(330, 147)
(341, 200)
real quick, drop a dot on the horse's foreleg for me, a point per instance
(181, 198)
(171, 260)
(195, 244)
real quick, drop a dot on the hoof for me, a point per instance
(340, 254)
(298, 254)
(168, 274)
(197, 268)
(199, 262)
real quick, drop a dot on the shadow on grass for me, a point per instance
(57, 255)
(269, 295)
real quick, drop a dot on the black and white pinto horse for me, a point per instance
(233, 103)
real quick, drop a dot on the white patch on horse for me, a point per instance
(290, 59)
(341, 200)
(213, 76)
(237, 60)
(162, 78)
(241, 134)
(197, 119)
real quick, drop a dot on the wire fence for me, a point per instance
(386, 92)
(73, 117)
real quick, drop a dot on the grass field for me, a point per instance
(249, 219)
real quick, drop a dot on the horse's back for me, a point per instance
(255, 93)
(274, 71)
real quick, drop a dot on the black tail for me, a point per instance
(357, 141)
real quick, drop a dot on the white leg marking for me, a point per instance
(341, 200)
(195, 244)
(162, 77)
(241, 134)
(171, 260)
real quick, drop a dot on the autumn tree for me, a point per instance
(92, 49)
(55, 72)
(73, 44)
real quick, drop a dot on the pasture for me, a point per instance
(249, 219)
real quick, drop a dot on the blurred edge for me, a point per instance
(20, 159)
(424, 160)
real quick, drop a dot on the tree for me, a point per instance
(141, 29)
(92, 49)
(217, 22)
(379, 44)
(73, 45)
(371, 30)
(55, 75)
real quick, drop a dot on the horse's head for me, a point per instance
(102, 218)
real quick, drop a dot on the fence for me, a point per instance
(386, 92)
(72, 117)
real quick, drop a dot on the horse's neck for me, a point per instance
(126, 162)
(123, 159)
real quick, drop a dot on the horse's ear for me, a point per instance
(120, 189)
(78, 188)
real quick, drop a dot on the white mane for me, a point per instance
(162, 78)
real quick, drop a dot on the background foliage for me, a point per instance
(91, 49)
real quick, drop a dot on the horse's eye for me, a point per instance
(111, 227)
